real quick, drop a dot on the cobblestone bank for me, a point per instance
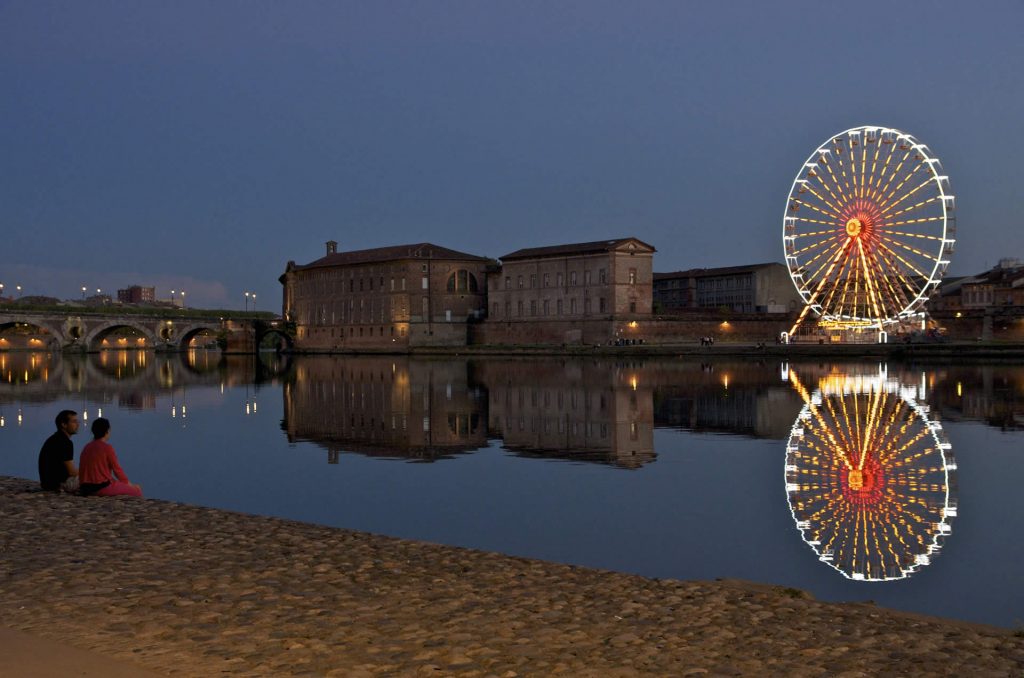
(192, 591)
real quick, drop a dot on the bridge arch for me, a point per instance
(189, 333)
(52, 340)
(93, 339)
(271, 331)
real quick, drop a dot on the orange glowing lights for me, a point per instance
(853, 227)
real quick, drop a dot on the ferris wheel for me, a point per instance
(870, 477)
(868, 229)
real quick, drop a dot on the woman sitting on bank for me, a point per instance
(99, 472)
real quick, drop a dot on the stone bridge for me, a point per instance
(90, 331)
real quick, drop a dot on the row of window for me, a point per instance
(546, 308)
(733, 283)
(545, 279)
(461, 281)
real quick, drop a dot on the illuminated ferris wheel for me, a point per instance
(869, 477)
(868, 228)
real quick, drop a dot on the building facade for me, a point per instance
(137, 294)
(566, 294)
(759, 288)
(387, 298)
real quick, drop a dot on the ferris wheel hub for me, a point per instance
(853, 227)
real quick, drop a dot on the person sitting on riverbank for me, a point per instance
(99, 471)
(57, 472)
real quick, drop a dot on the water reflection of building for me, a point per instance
(576, 410)
(741, 398)
(869, 475)
(385, 406)
(993, 394)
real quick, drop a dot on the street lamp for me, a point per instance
(18, 287)
(253, 302)
(246, 301)
(183, 306)
(83, 291)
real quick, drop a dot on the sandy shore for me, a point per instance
(190, 591)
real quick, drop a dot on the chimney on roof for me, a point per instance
(332, 247)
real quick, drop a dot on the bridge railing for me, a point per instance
(137, 311)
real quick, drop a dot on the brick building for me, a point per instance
(137, 294)
(758, 288)
(569, 293)
(387, 298)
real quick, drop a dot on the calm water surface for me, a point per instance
(890, 482)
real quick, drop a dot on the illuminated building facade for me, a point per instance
(566, 294)
(387, 298)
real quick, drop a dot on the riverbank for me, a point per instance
(191, 591)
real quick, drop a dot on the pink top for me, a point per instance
(98, 463)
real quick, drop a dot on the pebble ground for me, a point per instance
(191, 591)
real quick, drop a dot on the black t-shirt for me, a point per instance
(57, 449)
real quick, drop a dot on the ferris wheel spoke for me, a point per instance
(916, 251)
(813, 246)
(814, 207)
(868, 281)
(889, 204)
(815, 174)
(895, 173)
(900, 300)
(825, 252)
(922, 220)
(877, 184)
(831, 231)
(904, 284)
(914, 235)
(844, 275)
(915, 206)
(863, 165)
(835, 179)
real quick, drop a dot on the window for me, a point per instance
(586, 305)
(602, 276)
(508, 309)
(558, 279)
(533, 280)
(572, 306)
(519, 282)
(632, 276)
(426, 282)
(392, 284)
(547, 280)
(559, 307)
(547, 307)
(508, 282)
(632, 307)
(462, 281)
(519, 308)
(586, 277)
(601, 305)
(403, 284)
(572, 278)
(533, 307)
(495, 311)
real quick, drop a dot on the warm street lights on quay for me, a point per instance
(247, 296)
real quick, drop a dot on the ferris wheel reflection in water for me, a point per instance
(870, 476)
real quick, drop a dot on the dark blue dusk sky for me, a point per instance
(203, 145)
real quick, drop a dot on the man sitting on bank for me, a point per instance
(57, 472)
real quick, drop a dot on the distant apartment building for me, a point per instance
(758, 288)
(387, 298)
(137, 294)
(1001, 287)
(568, 293)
